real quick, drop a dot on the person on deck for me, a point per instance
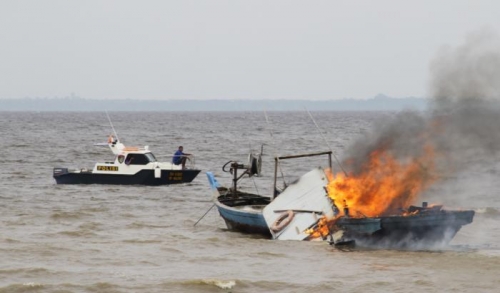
(180, 157)
(112, 139)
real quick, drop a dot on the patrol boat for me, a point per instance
(132, 166)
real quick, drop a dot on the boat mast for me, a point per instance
(319, 130)
(276, 157)
(112, 127)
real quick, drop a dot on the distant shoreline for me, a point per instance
(379, 103)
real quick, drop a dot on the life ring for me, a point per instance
(282, 221)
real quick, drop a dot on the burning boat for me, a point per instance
(375, 205)
(131, 166)
(319, 206)
(418, 227)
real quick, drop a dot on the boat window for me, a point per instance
(136, 159)
(151, 157)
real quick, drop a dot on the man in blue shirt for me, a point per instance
(180, 157)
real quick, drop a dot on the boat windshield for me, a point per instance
(151, 157)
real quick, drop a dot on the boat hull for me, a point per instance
(143, 177)
(421, 230)
(244, 214)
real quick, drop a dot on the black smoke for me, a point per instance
(462, 122)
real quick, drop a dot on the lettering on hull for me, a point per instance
(107, 168)
(175, 176)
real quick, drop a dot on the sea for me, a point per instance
(104, 238)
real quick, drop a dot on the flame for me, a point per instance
(408, 214)
(322, 228)
(385, 185)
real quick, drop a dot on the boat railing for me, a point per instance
(190, 162)
(329, 153)
(278, 159)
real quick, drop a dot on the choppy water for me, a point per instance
(142, 239)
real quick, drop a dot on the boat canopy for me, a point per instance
(119, 148)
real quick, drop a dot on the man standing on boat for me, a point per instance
(180, 157)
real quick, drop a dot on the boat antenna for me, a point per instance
(112, 127)
(321, 133)
(276, 150)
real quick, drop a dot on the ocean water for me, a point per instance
(99, 238)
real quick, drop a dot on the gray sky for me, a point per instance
(231, 49)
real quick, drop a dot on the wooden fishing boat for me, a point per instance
(243, 211)
(297, 211)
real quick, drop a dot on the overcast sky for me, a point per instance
(231, 49)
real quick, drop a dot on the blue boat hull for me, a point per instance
(252, 222)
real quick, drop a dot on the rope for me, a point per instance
(275, 148)
(319, 130)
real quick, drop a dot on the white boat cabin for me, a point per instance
(130, 160)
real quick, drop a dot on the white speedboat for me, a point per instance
(131, 166)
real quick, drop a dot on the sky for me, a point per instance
(163, 50)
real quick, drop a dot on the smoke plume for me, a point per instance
(462, 120)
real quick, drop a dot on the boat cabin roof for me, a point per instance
(119, 148)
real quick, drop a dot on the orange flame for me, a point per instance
(384, 186)
(322, 228)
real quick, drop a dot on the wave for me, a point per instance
(488, 211)
(21, 288)
(25, 271)
(136, 225)
(95, 209)
(78, 233)
(22, 145)
(200, 285)
(223, 284)
(242, 285)
(140, 241)
(68, 215)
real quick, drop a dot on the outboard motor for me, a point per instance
(60, 171)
